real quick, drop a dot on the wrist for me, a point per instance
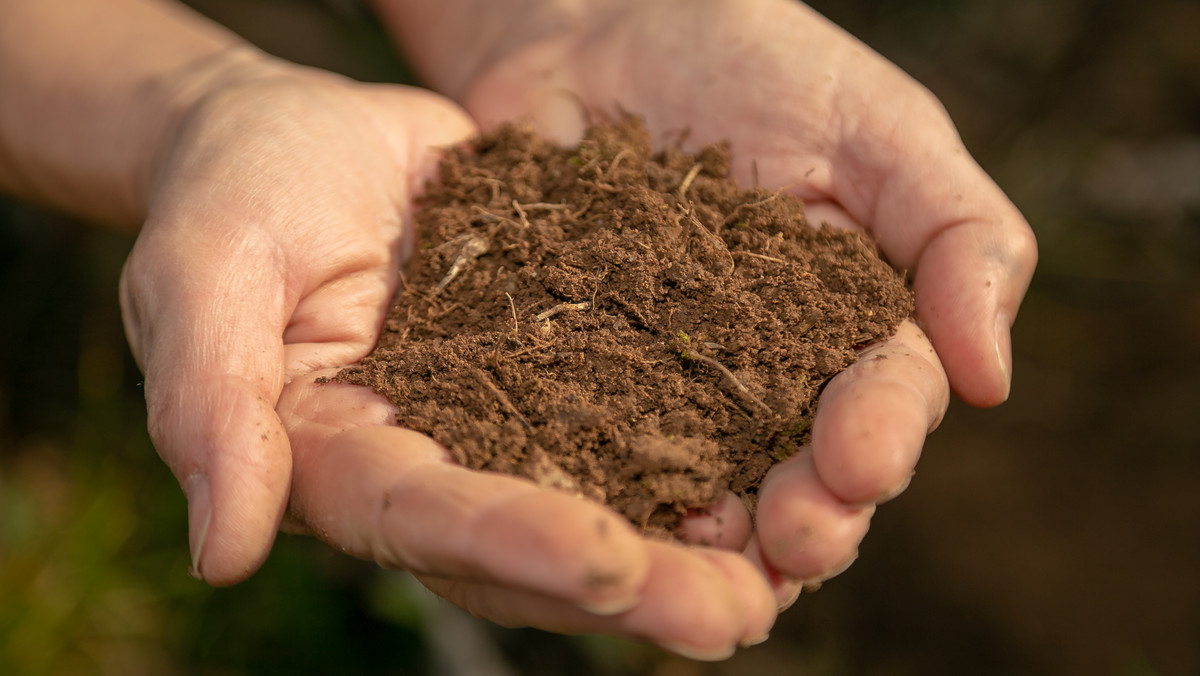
(100, 89)
(452, 43)
(182, 95)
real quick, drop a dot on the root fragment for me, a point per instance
(513, 306)
(521, 213)
(733, 215)
(474, 248)
(545, 206)
(761, 257)
(535, 347)
(738, 387)
(563, 307)
(687, 180)
(717, 241)
(616, 161)
(484, 378)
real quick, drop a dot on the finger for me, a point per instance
(903, 170)
(348, 266)
(209, 346)
(785, 589)
(872, 418)
(968, 284)
(391, 495)
(700, 603)
(338, 322)
(820, 211)
(725, 525)
(233, 258)
(552, 105)
(805, 532)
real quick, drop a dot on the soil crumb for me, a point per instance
(624, 324)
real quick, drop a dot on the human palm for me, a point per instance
(267, 261)
(811, 110)
(268, 253)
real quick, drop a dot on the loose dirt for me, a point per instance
(624, 324)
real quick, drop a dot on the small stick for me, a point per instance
(483, 377)
(402, 288)
(592, 302)
(720, 242)
(474, 248)
(687, 179)
(563, 307)
(496, 184)
(761, 257)
(444, 311)
(696, 222)
(600, 186)
(546, 205)
(521, 213)
(691, 354)
(583, 210)
(750, 205)
(513, 307)
(533, 348)
(617, 160)
(489, 217)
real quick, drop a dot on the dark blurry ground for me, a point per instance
(1058, 534)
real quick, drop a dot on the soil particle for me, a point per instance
(624, 324)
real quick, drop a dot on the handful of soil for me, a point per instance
(627, 325)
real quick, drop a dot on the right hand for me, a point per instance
(268, 258)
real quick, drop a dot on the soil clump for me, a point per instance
(625, 324)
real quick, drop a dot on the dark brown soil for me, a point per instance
(630, 326)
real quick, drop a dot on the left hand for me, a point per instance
(808, 107)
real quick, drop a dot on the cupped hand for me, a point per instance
(267, 261)
(808, 108)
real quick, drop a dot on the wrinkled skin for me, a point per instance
(269, 257)
(808, 108)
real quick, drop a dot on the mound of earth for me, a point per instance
(627, 325)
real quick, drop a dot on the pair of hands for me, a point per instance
(269, 257)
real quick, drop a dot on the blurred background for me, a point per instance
(1057, 534)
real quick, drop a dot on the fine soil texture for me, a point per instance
(628, 325)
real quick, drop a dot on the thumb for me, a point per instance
(208, 341)
(972, 256)
(549, 100)
(934, 211)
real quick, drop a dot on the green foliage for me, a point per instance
(684, 341)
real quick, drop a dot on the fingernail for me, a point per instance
(560, 114)
(713, 655)
(199, 516)
(755, 641)
(814, 583)
(891, 495)
(790, 599)
(614, 607)
(1004, 351)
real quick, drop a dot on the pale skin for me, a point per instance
(273, 203)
